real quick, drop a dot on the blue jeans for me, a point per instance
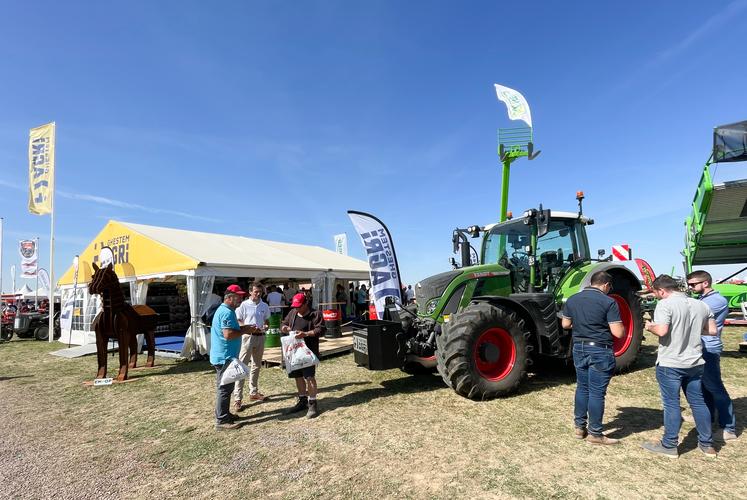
(671, 381)
(714, 392)
(594, 368)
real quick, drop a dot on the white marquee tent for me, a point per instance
(145, 254)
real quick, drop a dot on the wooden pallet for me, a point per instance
(327, 347)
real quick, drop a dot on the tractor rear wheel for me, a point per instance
(6, 333)
(629, 303)
(482, 352)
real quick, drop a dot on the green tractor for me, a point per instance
(483, 324)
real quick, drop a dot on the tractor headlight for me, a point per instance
(430, 308)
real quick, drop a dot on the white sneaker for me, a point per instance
(724, 435)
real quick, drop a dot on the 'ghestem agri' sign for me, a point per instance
(384, 271)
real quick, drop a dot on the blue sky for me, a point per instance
(271, 119)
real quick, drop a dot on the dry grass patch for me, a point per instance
(380, 434)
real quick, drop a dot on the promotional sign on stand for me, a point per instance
(382, 261)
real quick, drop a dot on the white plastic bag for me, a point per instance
(236, 370)
(296, 353)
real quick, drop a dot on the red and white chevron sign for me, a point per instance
(621, 252)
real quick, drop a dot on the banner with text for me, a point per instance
(382, 261)
(341, 243)
(41, 169)
(29, 258)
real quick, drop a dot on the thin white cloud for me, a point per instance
(710, 24)
(101, 200)
(13, 185)
(671, 52)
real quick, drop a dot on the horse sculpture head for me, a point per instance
(104, 278)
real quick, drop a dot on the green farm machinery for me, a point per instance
(716, 230)
(483, 324)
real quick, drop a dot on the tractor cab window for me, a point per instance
(508, 244)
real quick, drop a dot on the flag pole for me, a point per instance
(52, 283)
(36, 291)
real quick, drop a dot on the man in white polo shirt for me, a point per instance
(679, 321)
(254, 312)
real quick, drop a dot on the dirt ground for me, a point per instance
(380, 434)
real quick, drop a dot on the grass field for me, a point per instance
(380, 434)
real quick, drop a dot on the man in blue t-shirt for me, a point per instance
(714, 392)
(595, 319)
(225, 343)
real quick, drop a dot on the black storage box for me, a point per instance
(375, 344)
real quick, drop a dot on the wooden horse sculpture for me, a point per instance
(121, 321)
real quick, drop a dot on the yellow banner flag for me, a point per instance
(41, 169)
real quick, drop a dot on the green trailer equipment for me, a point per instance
(716, 230)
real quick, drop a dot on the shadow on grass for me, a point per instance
(740, 409)
(3, 379)
(404, 385)
(633, 420)
(552, 372)
(178, 368)
(733, 354)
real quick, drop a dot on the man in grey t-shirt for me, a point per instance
(679, 321)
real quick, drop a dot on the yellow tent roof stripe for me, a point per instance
(135, 254)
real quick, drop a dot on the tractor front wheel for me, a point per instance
(482, 352)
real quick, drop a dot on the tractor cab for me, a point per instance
(561, 242)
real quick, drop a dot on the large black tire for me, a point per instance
(6, 333)
(42, 333)
(629, 303)
(482, 352)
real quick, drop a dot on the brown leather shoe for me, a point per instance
(601, 440)
(580, 433)
(232, 426)
(257, 397)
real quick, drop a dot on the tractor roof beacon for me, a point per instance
(483, 324)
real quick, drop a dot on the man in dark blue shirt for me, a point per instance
(595, 319)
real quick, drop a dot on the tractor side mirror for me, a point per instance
(600, 253)
(543, 222)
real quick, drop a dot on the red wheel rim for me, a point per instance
(502, 366)
(621, 345)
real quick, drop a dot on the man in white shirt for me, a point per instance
(275, 300)
(252, 312)
(410, 294)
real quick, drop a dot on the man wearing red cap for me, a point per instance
(308, 324)
(225, 343)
